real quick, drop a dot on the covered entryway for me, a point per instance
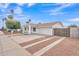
(62, 32)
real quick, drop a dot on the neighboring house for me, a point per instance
(44, 28)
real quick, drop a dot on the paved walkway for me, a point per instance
(11, 48)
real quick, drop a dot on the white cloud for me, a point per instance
(19, 13)
(52, 4)
(74, 20)
(3, 10)
(3, 6)
(56, 13)
(62, 6)
(18, 10)
(30, 4)
(21, 4)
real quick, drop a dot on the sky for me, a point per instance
(67, 13)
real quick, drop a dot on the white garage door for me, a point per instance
(45, 31)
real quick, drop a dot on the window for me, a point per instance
(34, 29)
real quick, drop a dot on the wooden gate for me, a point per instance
(62, 32)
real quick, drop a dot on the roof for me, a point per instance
(46, 25)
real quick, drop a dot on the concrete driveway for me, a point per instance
(8, 47)
(38, 45)
(1, 33)
(9, 44)
(68, 47)
(24, 38)
(52, 46)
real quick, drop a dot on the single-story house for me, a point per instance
(41, 28)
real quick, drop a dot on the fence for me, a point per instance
(62, 32)
(67, 32)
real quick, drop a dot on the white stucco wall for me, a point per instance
(57, 26)
(74, 32)
(45, 31)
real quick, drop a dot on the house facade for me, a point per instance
(44, 28)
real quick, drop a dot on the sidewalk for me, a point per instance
(9, 47)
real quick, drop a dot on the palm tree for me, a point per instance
(12, 13)
(10, 16)
(29, 20)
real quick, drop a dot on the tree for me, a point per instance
(17, 25)
(10, 17)
(29, 20)
(72, 25)
(12, 11)
(12, 24)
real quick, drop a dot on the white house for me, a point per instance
(44, 28)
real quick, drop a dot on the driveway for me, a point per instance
(1, 33)
(68, 47)
(38, 45)
(52, 46)
(8, 47)
(25, 38)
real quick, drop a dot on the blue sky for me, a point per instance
(67, 13)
